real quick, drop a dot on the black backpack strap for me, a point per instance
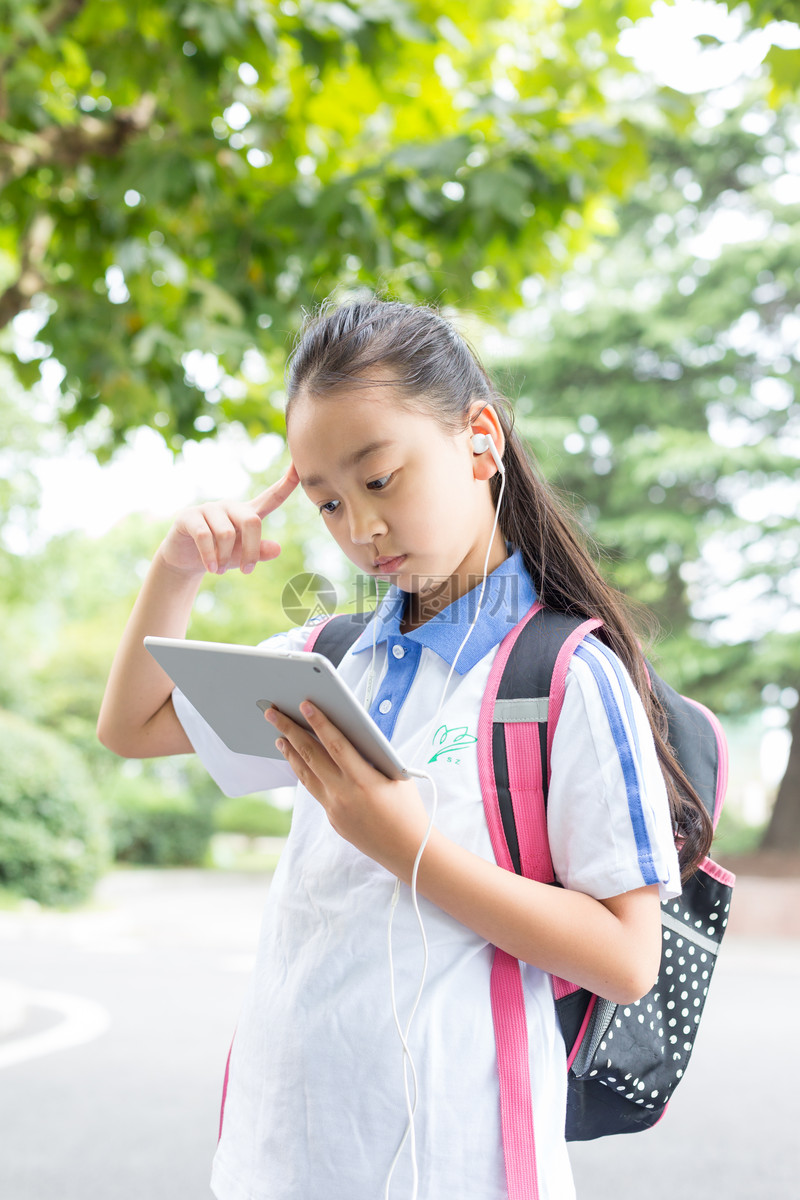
(334, 636)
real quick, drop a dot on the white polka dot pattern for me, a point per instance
(639, 1052)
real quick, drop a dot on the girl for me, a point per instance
(383, 402)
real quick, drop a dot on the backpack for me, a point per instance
(624, 1061)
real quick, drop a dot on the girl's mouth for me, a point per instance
(387, 566)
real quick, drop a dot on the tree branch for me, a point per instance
(57, 15)
(17, 298)
(60, 12)
(68, 145)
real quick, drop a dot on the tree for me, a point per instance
(61, 624)
(178, 178)
(661, 386)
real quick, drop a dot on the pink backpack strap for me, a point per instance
(526, 774)
(225, 1087)
(513, 1068)
(558, 686)
(508, 1000)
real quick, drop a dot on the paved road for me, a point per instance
(115, 1023)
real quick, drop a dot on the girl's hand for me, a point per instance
(219, 537)
(383, 818)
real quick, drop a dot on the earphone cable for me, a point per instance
(408, 1060)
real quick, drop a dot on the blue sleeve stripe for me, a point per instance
(627, 760)
(617, 668)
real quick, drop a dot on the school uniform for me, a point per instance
(315, 1104)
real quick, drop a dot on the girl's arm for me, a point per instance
(137, 718)
(611, 946)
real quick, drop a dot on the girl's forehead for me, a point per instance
(360, 412)
(330, 434)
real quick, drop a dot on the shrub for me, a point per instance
(251, 816)
(53, 832)
(155, 827)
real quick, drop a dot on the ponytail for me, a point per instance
(567, 580)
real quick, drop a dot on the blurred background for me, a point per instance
(604, 196)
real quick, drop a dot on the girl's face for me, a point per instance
(404, 498)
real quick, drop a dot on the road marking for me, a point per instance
(83, 1021)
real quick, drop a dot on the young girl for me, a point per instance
(383, 402)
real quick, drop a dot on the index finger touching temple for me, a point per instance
(274, 496)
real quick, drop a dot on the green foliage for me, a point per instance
(151, 825)
(179, 177)
(53, 840)
(444, 151)
(764, 11)
(252, 816)
(659, 386)
(18, 486)
(734, 836)
(64, 608)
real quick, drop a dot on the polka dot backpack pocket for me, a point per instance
(624, 1061)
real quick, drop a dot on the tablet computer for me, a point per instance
(231, 687)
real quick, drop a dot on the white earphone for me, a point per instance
(481, 442)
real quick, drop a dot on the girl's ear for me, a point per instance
(484, 420)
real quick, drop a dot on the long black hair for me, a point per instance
(432, 368)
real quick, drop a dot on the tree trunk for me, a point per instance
(783, 831)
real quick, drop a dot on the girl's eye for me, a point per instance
(331, 506)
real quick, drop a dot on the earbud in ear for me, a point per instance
(481, 442)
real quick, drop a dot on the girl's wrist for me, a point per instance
(190, 577)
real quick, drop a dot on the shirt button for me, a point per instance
(398, 651)
(385, 706)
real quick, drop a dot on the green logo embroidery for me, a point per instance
(451, 740)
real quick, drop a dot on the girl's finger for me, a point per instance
(295, 761)
(304, 742)
(301, 749)
(342, 751)
(268, 550)
(275, 495)
(224, 532)
(197, 528)
(248, 528)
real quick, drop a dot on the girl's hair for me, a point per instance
(433, 369)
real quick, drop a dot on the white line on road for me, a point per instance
(83, 1021)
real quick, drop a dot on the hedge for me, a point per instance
(54, 843)
(153, 826)
(251, 816)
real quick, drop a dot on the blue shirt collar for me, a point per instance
(508, 595)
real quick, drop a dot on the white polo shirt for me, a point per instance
(315, 1105)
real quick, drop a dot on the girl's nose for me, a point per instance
(365, 526)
